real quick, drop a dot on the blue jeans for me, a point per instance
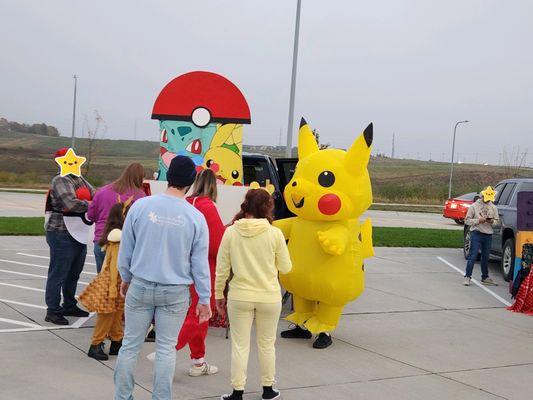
(67, 257)
(479, 240)
(145, 300)
(99, 256)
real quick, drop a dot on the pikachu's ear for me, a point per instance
(307, 144)
(358, 155)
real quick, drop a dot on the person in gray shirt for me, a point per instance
(481, 217)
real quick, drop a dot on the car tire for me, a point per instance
(508, 257)
(459, 221)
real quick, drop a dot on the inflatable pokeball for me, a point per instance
(191, 110)
(201, 97)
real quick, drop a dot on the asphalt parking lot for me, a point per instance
(415, 333)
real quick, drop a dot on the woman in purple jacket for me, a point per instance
(129, 184)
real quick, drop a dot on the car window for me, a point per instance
(524, 187)
(255, 170)
(498, 189)
(286, 168)
(468, 196)
(506, 194)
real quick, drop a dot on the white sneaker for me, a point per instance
(204, 369)
(466, 282)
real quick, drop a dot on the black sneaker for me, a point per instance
(296, 333)
(236, 395)
(57, 319)
(270, 394)
(115, 347)
(151, 336)
(322, 341)
(96, 351)
(75, 312)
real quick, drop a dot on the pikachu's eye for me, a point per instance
(235, 174)
(326, 179)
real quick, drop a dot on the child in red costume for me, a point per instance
(192, 333)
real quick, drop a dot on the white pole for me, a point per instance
(288, 150)
(451, 163)
(74, 110)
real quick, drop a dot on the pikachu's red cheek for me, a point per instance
(329, 204)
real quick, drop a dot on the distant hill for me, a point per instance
(36, 129)
(26, 161)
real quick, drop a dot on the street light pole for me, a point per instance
(288, 150)
(74, 110)
(453, 152)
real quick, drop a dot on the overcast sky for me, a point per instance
(411, 67)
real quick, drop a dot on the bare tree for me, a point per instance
(513, 161)
(93, 130)
(321, 146)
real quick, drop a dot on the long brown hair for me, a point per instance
(258, 203)
(130, 179)
(205, 184)
(115, 220)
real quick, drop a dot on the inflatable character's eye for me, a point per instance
(209, 163)
(184, 130)
(235, 174)
(164, 138)
(75, 162)
(64, 162)
(326, 179)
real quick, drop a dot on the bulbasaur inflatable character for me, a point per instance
(200, 116)
(328, 193)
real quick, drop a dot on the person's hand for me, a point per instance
(203, 312)
(221, 307)
(482, 220)
(124, 288)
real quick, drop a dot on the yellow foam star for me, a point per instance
(70, 163)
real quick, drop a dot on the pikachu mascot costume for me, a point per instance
(328, 193)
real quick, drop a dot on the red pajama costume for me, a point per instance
(193, 333)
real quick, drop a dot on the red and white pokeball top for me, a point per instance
(201, 97)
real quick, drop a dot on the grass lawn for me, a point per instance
(17, 226)
(417, 237)
(383, 237)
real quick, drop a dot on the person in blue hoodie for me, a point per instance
(164, 249)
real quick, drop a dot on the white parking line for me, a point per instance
(38, 328)
(22, 287)
(7, 271)
(496, 296)
(46, 257)
(15, 322)
(18, 303)
(38, 266)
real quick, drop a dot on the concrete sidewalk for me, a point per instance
(32, 205)
(415, 333)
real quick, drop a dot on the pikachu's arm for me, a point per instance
(334, 240)
(285, 225)
(366, 238)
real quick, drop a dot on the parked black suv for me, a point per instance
(503, 240)
(260, 168)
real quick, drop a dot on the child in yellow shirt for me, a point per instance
(253, 251)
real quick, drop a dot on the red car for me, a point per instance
(457, 207)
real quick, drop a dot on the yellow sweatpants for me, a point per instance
(108, 326)
(241, 316)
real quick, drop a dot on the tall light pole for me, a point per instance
(288, 150)
(453, 152)
(74, 110)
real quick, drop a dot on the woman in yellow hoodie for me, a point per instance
(252, 251)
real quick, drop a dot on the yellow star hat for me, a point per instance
(70, 163)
